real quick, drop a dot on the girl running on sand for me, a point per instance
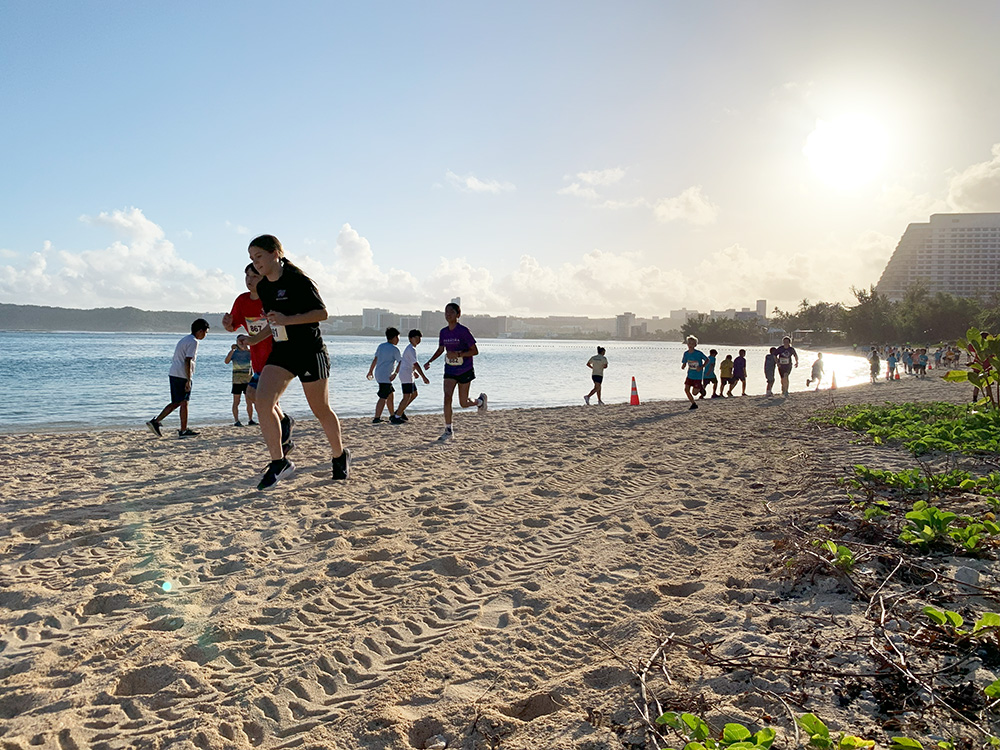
(294, 310)
(460, 344)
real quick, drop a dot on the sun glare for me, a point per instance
(847, 152)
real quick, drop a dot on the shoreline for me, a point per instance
(491, 586)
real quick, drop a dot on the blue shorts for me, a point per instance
(254, 379)
(178, 390)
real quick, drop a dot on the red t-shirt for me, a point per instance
(249, 313)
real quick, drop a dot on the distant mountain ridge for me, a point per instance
(130, 319)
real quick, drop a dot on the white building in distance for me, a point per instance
(958, 254)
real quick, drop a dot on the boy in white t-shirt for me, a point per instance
(181, 377)
(407, 367)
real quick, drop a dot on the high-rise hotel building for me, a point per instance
(954, 253)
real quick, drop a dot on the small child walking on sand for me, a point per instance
(739, 373)
(408, 367)
(384, 369)
(726, 368)
(239, 357)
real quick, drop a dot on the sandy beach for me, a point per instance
(489, 592)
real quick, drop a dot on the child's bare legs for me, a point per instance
(408, 399)
(236, 407)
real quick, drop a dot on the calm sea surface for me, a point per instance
(80, 381)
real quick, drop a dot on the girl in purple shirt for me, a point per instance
(460, 345)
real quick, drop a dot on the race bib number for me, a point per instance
(784, 359)
(280, 333)
(256, 325)
(453, 360)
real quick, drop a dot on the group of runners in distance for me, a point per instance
(281, 313)
(701, 370)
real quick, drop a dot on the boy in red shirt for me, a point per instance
(248, 313)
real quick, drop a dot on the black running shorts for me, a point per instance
(307, 366)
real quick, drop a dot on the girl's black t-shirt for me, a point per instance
(293, 293)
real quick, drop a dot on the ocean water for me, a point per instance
(81, 381)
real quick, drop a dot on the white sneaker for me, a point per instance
(446, 436)
(586, 400)
(482, 403)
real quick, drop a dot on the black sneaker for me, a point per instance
(693, 405)
(376, 420)
(396, 420)
(237, 423)
(404, 417)
(154, 427)
(251, 423)
(186, 433)
(276, 471)
(342, 465)
(287, 448)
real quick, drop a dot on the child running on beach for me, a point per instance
(460, 345)
(384, 368)
(694, 361)
(181, 378)
(739, 373)
(294, 310)
(598, 364)
(408, 367)
(785, 354)
(890, 366)
(817, 371)
(239, 357)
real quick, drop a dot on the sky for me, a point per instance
(531, 157)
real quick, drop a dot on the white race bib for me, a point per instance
(278, 332)
(453, 360)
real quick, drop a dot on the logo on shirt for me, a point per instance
(280, 294)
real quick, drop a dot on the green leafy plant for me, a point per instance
(699, 735)
(926, 524)
(922, 428)
(984, 370)
(840, 555)
(820, 737)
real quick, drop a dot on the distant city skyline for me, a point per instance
(535, 159)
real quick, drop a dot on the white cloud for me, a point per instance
(692, 206)
(602, 176)
(576, 189)
(140, 269)
(238, 229)
(599, 284)
(977, 188)
(472, 184)
(585, 183)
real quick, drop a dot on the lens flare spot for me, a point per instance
(167, 586)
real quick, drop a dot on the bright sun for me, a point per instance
(848, 152)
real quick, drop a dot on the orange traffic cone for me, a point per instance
(833, 382)
(634, 401)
